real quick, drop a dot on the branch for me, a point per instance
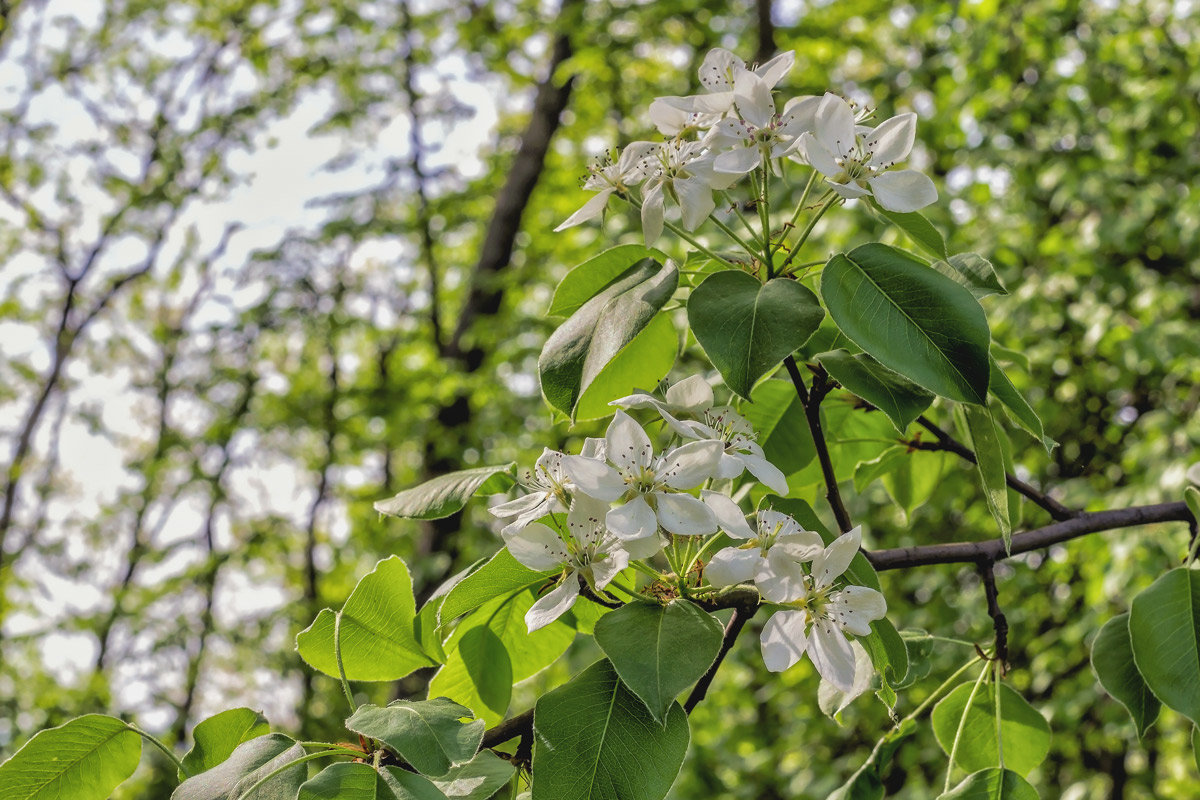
(742, 613)
(999, 621)
(993, 549)
(948, 443)
(812, 412)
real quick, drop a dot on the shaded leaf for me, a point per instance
(354, 781)
(446, 494)
(249, 763)
(1164, 630)
(1112, 660)
(1018, 407)
(894, 395)
(919, 229)
(215, 738)
(595, 275)
(501, 575)
(428, 734)
(992, 784)
(974, 272)
(1024, 734)
(982, 435)
(478, 779)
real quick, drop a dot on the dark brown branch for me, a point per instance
(741, 615)
(987, 573)
(948, 443)
(1036, 539)
(812, 412)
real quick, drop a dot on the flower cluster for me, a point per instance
(619, 503)
(735, 128)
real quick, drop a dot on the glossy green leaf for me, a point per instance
(1025, 736)
(974, 272)
(377, 635)
(643, 362)
(747, 328)
(983, 436)
(215, 738)
(993, 783)
(491, 650)
(778, 418)
(445, 494)
(1017, 406)
(919, 229)
(84, 759)
(894, 395)
(888, 652)
(595, 275)
(867, 785)
(600, 329)
(249, 763)
(478, 779)
(911, 319)
(919, 646)
(501, 575)
(909, 477)
(350, 780)
(658, 651)
(1112, 660)
(1164, 630)
(595, 740)
(430, 734)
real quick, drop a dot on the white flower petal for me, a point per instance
(892, 141)
(652, 214)
(752, 97)
(634, 160)
(730, 466)
(634, 520)
(684, 515)
(593, 447)
(732, 565)
(818, 156)
(589, 210)
(729, 516)
(689, 465)
(606, 568)
(537, 547)
(693, 394)
(767, 473)
(831, 654)
(783, 640)
(645, 547)
(554, 604)
(800, 114)
(780, 579)
(854, 608)
(519, 505)
(627, 444)
(903, 190)
(667, 117)
(594, 477)
(738, 161)
(802, 546)
(773, 71)
(833, 700)
(837, 556)
(834, 125)
(850, 191)
(716, 70)
(695, 201)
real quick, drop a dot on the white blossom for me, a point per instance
(549, 487)
(587, 550)
(684, 172)
(775, 533)
(627, 171)
(858, 160)
(741, 142)
(817, 616)
(652, 488)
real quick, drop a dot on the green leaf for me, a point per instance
(659, 650)
(595, 275)
(85, 759)
(478, 779)
(1024, 733)
(595, 740)
(1191, 496)
(747, 327)
(888, 652)
(993, 783)
(894, 395)
(919, 646)
(491, 650)
(378, 638)
(1164, 629)
(1196, 747)
(445, 494)
(1018, 407)
(1112, 660)
(867, 785)
(502, 574)
(250, 762)
(778, 418)
(349, 780)
(911, 319)
(974, 272)
(599, 330)
(919, 229)
(643, 362)
(429, 734)
(978, 427)
(215, 739)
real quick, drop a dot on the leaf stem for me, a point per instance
(337, 651)
(166, 750)
(812, 179)
(997, 665)
(828, 200)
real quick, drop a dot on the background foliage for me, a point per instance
(206, 382)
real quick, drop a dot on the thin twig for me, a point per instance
(812, 412)
(741, 615)
(999, 622)
(948, 443)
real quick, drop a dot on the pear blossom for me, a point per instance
(549, 487)
(652, 488)
(627, 171)
(683, 171)
(694, 397)
(858, 160)
(757, 130)
(816, 615)
(587, 551)
(776, 533)
(719, 75)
